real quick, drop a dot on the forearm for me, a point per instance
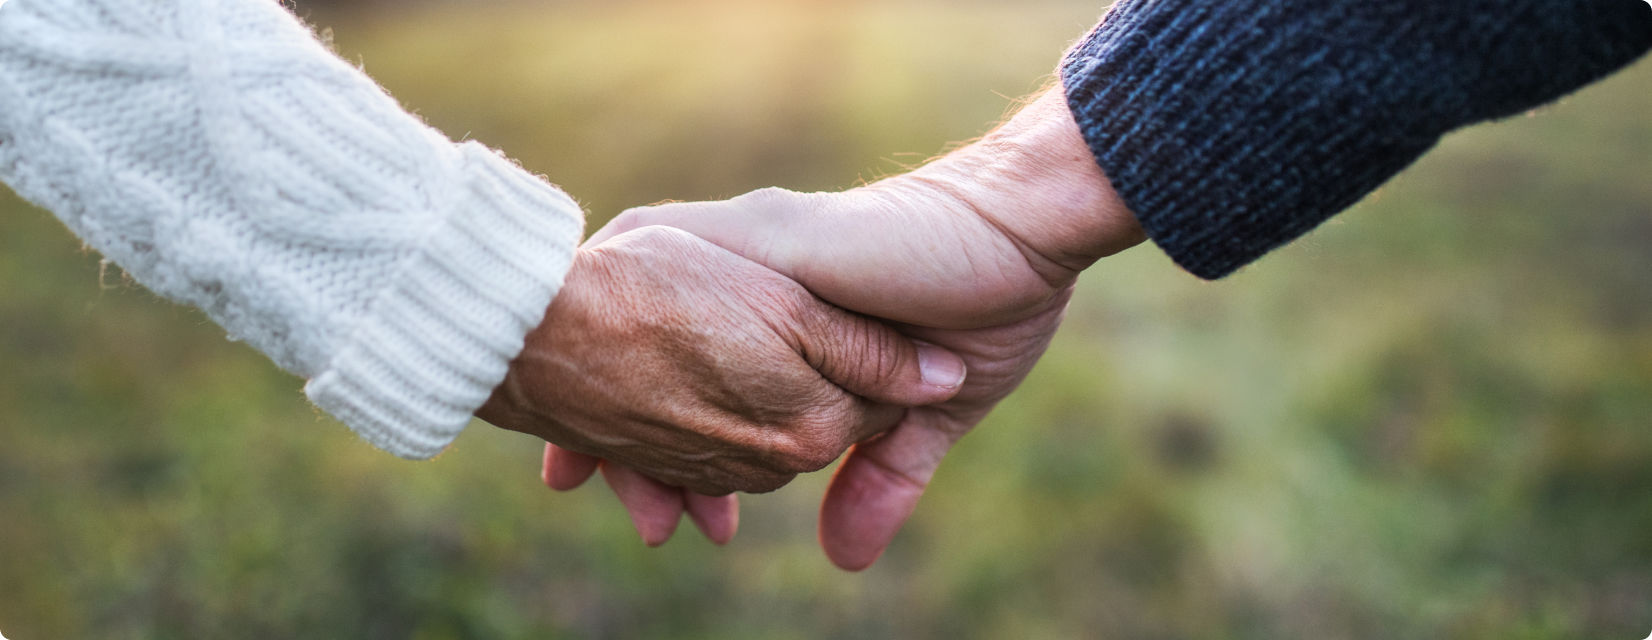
(1231, 127)
(227, 160)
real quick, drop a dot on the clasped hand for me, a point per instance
(765, 335)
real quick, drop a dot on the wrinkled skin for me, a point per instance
(678, 358)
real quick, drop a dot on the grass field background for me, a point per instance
(1432, 418)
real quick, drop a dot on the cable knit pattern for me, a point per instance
(225, 159)
(1231, 127)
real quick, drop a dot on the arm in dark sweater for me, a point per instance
(1231, 127)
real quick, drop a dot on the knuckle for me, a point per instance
(768, 196)
(790, 458)
(817, 462)
(816, 446)
(648, 228)
(655, 234)
(774, 209)
(781, 206)
(631, 219)
(809, 463)
(657, 243)
(768, 482)
(809, 440)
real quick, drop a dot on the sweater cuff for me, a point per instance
(1222, 137)
(1233, 127)
(441, 338)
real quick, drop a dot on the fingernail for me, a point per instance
(940, 367)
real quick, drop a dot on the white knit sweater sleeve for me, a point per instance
(226, 159)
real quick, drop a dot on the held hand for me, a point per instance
(672, 356)
(880, 482)
(977, 253)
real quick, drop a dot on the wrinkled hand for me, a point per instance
(977, 253)
(675, 357)
(880, 482)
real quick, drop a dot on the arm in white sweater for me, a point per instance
(225, 159)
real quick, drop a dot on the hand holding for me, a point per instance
(977, 252)
(670, 355)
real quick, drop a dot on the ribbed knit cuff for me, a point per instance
(442, 336)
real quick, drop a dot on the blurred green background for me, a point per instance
(1429, 419)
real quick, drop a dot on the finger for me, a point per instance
(655, 508)
(874, 419)
(878, 486)
(566, 470)
(718, 517)
(744, 228)
(869, 359)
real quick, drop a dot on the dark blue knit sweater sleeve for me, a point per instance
(1231, 127)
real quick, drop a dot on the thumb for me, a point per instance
(869, 359)
(878, 486)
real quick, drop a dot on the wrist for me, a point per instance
(440, 335)
(1036, 179)
(527, 398)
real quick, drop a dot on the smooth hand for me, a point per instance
(675, 357)
(977, 252)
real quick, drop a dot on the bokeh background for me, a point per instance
(1430, 419)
